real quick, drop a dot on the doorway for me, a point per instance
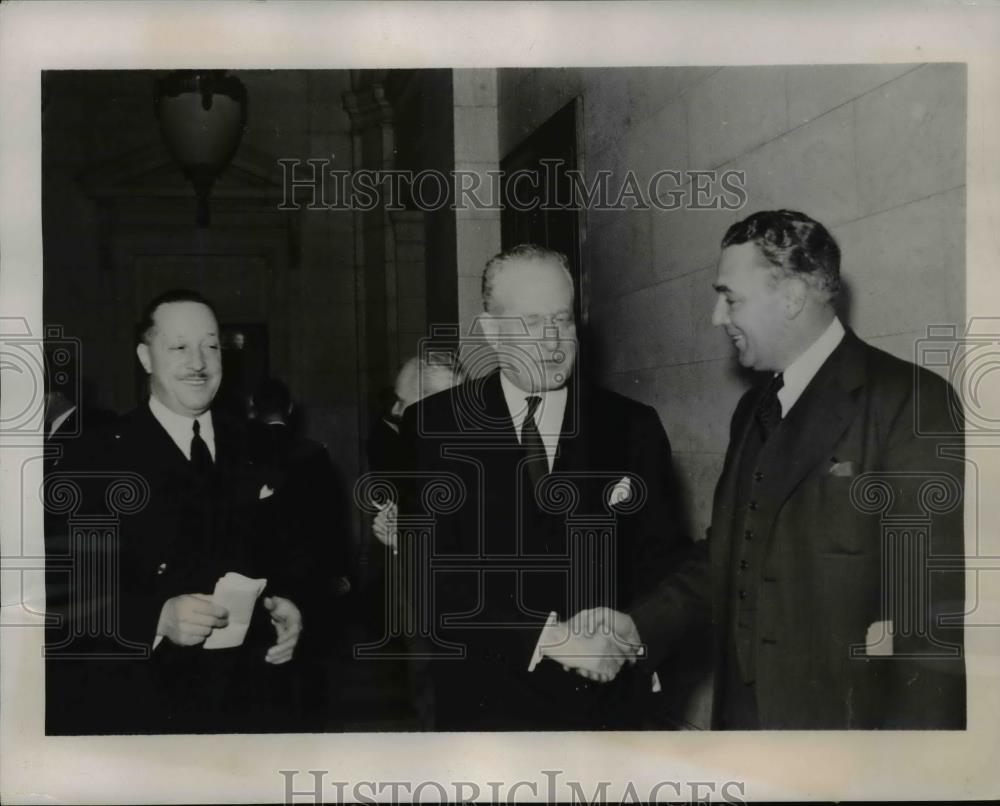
(549, 155)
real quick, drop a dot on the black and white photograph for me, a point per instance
(619, 424)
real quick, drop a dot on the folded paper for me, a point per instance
(238, 594)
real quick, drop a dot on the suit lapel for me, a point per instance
(161, 451)
(572, 450)
(723, 509)
(816, 421)
(227, 453)
(482, 410)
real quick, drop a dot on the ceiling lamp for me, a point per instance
(202, 114)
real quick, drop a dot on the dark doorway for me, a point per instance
(538, 169)
(244, 366)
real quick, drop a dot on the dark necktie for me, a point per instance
(769, 407)
(534, 448)
(201, 458)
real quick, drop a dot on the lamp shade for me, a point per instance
(201, 115)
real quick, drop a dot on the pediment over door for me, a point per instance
(150, 172)
(144, 192)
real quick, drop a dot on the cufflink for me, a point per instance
(160, 569)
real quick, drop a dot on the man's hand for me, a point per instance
(597, 643)
(590, 652)
(384, 525)
(189, 619)
(615, 626)
(287, 621)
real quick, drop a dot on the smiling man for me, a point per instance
(180, 352)
(198, 524)
(824, 619)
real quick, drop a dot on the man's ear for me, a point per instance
(142, 351)
(795, 295)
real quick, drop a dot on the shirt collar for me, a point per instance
(181, 428)
(804, 368)
(548, 415)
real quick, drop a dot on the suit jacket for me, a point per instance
(188, 533)
(383, 446)
(840, 495)
(309, 507)
(501, 567)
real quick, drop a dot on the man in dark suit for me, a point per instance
(383, 437)
(184, 500)
(310, 498)
(305, 539)
(836, 540)
(562, 502)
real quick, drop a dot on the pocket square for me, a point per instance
(265, 492)
(622, 491)
(878, 639)
(842, 469)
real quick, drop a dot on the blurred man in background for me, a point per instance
(307, 541)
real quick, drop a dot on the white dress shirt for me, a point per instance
(548, 415)
(804, 368)
(181, 428)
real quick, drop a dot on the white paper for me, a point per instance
(238, 594)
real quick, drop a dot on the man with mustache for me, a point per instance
(198, 524)
(824, 618)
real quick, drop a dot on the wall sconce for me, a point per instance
(202, 114)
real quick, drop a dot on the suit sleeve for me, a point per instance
(924, 460)
(682, 599)
(659, 528)
(672, 582)
(82, 600)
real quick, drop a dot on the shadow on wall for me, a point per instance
(844, 302)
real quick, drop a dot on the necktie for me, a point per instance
(769, 407)
(534, 448)
(201, 458)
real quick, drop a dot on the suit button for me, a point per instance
(743, 594)
(161, 568)
(753, 506)
(748, 535)
(744, 565)
(758, 476)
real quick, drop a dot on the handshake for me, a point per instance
(595, 643)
